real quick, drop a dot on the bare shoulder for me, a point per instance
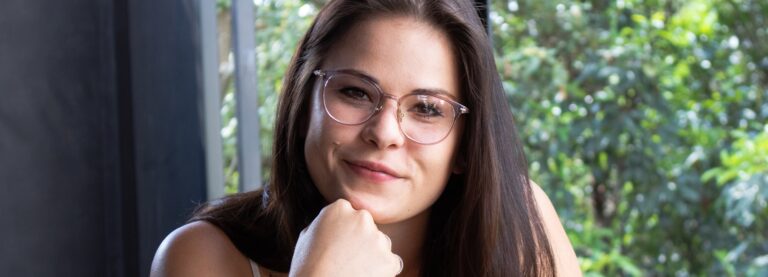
(199, 249)
(565, 257)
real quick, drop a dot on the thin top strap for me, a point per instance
(254, 268)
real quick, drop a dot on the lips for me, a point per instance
(373, 171)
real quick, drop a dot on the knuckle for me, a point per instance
(385, 240)
(365, 216)
(397, 263)
(337, 206)
(342, 203)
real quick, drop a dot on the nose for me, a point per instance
(383, 130)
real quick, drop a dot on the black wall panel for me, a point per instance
(100, 138)
(169, 157)
(56, 137)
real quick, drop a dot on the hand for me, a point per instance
(342, 241)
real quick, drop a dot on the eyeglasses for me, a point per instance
(352, 98)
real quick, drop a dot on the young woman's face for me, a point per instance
(374, 165)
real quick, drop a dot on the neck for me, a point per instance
(408, 241)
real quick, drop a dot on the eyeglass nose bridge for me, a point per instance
(400, 114)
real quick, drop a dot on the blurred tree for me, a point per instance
(624, 105)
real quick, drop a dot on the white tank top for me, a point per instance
(254, 268)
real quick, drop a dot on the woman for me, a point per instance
(395, 153)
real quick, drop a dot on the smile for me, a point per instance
(372, 171)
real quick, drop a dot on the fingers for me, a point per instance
(387, 241)
(399, 264)
(339, 207)
(366, 216)
(396, 261)
(340, 234)
(343, 208)
(342, 203)
(365, 219)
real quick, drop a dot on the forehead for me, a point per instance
(403, 54)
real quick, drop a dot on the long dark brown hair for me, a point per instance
(485, 223)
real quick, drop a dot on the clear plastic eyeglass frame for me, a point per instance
(327, 75)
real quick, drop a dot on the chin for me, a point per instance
(380, 210)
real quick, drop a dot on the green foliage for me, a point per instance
(623, 107)
(645, 122)
(748, 159)
(278, 28)
(223, 4)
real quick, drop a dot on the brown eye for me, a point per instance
(355, 94)
(426, 109)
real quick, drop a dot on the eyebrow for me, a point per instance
(376, 81)
(436, 91)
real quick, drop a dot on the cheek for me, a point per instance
(440, 167)
(324, 136)
(436, 165)
(324, 133)
(321, 130)
(316, 114)
(449, 151)
(313, 144)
